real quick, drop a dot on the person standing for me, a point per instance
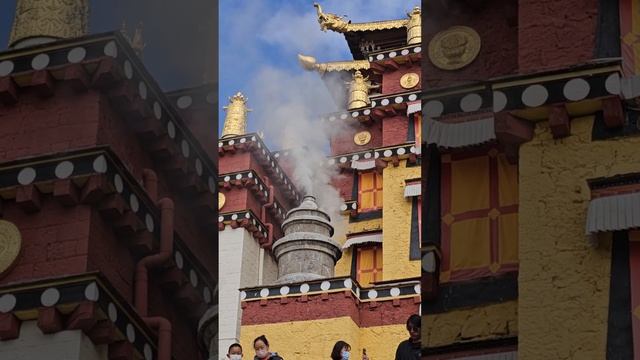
(261, 346)
(341, 351)
(410, 348)
(234, 352)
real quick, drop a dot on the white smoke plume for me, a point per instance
(294, 103)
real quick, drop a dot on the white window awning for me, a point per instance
(611, 213)
(363, 164)
(455, 135)
(414, 107)
(362, 239)
(413, 189)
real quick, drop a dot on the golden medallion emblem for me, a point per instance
(362, 138)
(10, 245)
(221, 200)
(409, 80)
(454, 48)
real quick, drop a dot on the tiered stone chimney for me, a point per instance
(306, 252)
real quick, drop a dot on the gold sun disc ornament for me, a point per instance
(362, 138)
(409, 80)
(221, 200)
(10, 245)
(454, 48)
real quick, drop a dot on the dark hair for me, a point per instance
(414, 320)
(336, 353)
(234, 345)
(263, 339)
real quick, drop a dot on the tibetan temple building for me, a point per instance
(284, 273)
(532, 175)
(107, 198)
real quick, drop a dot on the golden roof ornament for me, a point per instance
(414, 27)
(337, 23)
(311, 64)
(235, 123)
(137, 43)
(42, 21)
(359, 88)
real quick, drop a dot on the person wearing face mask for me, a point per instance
(235, 352)
(410, 348)
(261, 346)
(341, 351)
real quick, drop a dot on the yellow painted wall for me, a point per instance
(564, 282)
(315, 339)
(396, 223)
(343, 266)
(481, 323)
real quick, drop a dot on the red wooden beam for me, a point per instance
(559, 121)
(103, 332)
(49, 320)
(9, 326)
(28, 198)
(613, 112)
(77, 77)
(66, 192)
(83, 317)
(510, 129)
(43, 83)
(8, 91)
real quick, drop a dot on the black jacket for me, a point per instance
(408, 351)
(273, 356)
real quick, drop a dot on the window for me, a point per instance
(369, 191)
(368, 264)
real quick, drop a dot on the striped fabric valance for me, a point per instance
(611, 213)
(455, 135)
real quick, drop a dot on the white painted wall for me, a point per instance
(242, 264)
(64, 345)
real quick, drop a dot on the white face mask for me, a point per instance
(235, 357)
(262, 353)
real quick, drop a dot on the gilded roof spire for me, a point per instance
(137, 43)
(235, 123)
(42, 21)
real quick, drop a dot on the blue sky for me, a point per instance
(179, 34)
(259, 42)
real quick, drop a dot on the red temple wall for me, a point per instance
(342, 142)
(36, 126)
(556, 33)
(395, 130)
(391, 79)
(54, 241)
(496, 24)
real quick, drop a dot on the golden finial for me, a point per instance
(123, 31)
(41, 21)
(359, 88)
(137, 43)
(235, 123)
(414, 27)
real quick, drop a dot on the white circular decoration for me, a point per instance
(148, 220)
(64, 169)
(401, 151)
(171, 129)
(76, 55)
(131, 333)
(7, 303)
(398, 99)
(348, 283)
(387, 153)
(142, 90)
(404, 52)
(384, 102)
(264, 293)
(612, 84)
(199, 167)
(284, 290)
(40, 62)
(576, 89)
(393, 54)
(193, 278)
(134, 203)
(6, 67)
(379, 57)
(184, 102)
(128, 70)
(157, 110)
(206, 295)
(372, 294)
(433, 108)
(243, 295)
(499, 101)
(304, 288)
(111, 49)
(413, 97)
(148, 354)
(417, 289)
(117, 181)
(395, 292)
(535, 95)
(325, 285)
(50, 297)
(471, 102)
(91, 292)
(179, 260)
(112, 312)
(26, 176)
(100, 164)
